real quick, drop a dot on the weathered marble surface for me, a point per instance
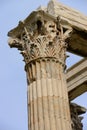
(68, 15)
(76, 112)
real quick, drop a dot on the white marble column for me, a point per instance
(42, 43)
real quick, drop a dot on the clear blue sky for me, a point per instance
(13, 87)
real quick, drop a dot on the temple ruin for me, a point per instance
(43, 39)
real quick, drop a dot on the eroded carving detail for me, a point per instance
(43, 39)
(76, 112)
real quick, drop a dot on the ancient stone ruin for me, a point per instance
(43, 39)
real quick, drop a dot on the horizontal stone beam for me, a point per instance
(77, 79)
(68, 15)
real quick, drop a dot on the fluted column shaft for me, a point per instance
(47, 96)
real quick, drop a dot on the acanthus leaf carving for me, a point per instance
(43, 39)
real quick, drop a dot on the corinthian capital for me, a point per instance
(40, 36)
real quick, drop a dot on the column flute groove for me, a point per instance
(55, 94)
(48, 93)
(45, 95)
(31, 101)
(35, 98)
(58, 94)
(53, 88)
(62, 102)
(39, 93)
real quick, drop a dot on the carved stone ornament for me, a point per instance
(42, 38)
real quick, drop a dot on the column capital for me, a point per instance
(40, 36)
